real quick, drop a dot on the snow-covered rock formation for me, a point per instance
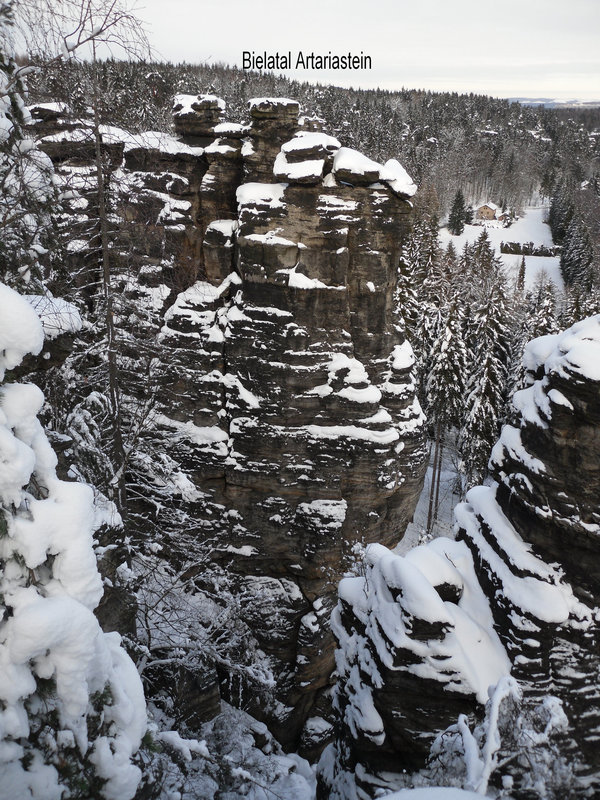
(423, 637)
(307, 423)
(264, 259)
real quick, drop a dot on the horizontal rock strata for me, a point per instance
(264, 259)
(421, 638)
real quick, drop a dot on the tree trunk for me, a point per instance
(433, 479)
(436, 505)
(118, 449)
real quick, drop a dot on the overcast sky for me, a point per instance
(505, 48)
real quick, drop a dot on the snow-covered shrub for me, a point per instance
(513, 744)
(72, 710)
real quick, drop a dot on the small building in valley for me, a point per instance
(487, 211)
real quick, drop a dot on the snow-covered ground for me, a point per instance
(444, 524)
(531, 227)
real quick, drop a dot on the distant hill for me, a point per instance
(548, 102)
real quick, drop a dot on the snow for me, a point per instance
(392, 173)
(338, 203)
(577, 350)
(184, 746)
(218, 147)
(559, 399)
(60, 108)
(58, 316)
(432, 793)
(201, 435)
(535, 267)
(531, 227)
(510, 442)
(398, 178)
(184, 103)
(230, 128)
(463, 654)
(227, 227)
(297, 280)
(418, 597)
(265, 103)
(357, 386)
(74, 135)
(366, 394)
(270, 194)
(161, 141)
(402, 357)
(386, 436)
(305, 140)
(574, 352)
(331, 513)
(354, 162)
(289, 170)
(21, 331)
(270, 238)
(191, 304)
(540, 591)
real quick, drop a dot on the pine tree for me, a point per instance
(520, 284)
(486, 392)
(444, 391)
(543, 317)
(458, 212)
(482, 420)
(406, 296)
(485, 264)
(577, 254)
(561, 212)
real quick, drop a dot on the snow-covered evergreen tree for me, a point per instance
(486, 390)
(484, 406)
(561, 211)
(444, 391)
(406, 296)
(26, 188)
(72, 706)
(577, 254)
(458, 214)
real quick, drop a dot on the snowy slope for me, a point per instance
(529, 228)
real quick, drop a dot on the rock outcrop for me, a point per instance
(264, 258)
(308, 431)
(422, 637)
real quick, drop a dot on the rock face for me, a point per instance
(547, 464)
(265, 259)
(422, 637)
(305, 423)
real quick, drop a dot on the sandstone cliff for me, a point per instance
(264, 260)
(421, 638)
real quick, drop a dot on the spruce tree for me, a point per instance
(444, 391)
(561, 212)
(456, 220)
(577, 254)
(520, 285)
(543, 316)
(406, 297)
(482, 420)
(490, 343)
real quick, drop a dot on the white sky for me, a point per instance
(505, 48)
